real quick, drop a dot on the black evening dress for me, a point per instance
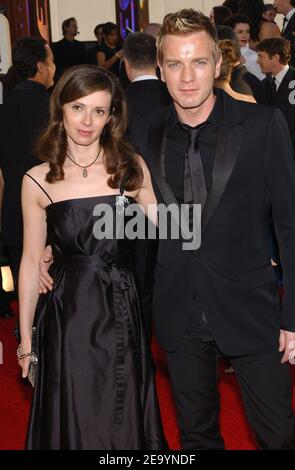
(95, 384)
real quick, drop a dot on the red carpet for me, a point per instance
(15, 401)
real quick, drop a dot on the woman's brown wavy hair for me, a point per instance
(119, 158)
(230, 58)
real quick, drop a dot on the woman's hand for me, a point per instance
(119, 54)
(24, 348)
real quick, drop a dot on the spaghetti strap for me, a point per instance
(40, 187)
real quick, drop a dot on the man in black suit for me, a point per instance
(145, 92)
(23, 116)
(287, 8)
(68, 51)
(237, 157)
(279, 87)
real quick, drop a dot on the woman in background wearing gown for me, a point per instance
(95, 381)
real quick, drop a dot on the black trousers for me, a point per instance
(266, 390)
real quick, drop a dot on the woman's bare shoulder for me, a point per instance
(142, 163)
(247, 98)
(39, 171)
(269, 30)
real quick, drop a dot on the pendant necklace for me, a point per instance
(85, 172)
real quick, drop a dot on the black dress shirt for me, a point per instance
(176, 147)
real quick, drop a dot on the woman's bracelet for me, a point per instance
(21, 356)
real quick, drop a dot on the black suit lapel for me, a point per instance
(289, 28)
(228, 146)
(157, 145)
(284, 86)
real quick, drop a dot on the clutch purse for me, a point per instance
(33, 367)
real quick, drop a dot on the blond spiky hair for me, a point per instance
(185, 22)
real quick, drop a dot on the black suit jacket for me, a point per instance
(67, 54)
(145, 96)
(253, 176)
(23, 116)
(287, 34)
(283, 99)
(238, 82)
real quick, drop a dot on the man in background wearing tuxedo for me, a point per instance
(287, 8)
(145, 92)
(68, 51)
(278, 88)
(23, 116)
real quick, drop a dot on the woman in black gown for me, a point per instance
(95, 382)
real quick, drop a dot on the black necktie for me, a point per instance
(273, 88)
(284, 24)
(195, 189)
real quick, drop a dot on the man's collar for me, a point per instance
(145, 77)
(290, 14)
(280, 76)
(217, 112)
(30, 85)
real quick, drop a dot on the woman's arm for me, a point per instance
(34, 221)
(106, 64)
